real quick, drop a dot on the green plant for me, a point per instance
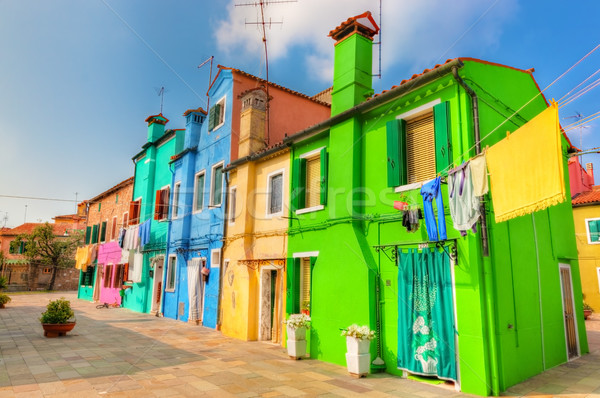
(3, 282)
(4, 298)
(297, 321)
(58, 311)
(586, 306)
(359, 332)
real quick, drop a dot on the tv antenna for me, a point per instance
(378, 43)
(209, 59)
(161, 93)
(263, 25)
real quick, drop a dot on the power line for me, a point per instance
(37, 198)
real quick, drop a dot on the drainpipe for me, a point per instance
(489, 299)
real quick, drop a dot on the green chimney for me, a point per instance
(156, 126)
(353, 62)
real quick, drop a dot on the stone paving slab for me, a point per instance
(115, 352)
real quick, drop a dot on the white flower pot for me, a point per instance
(357, 346)
(296, 334)
(296, 348)
(358, 365)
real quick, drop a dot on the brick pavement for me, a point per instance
(119, 353)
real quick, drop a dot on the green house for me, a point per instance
(351, 259)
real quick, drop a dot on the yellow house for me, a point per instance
(586, 211)
(255, 246)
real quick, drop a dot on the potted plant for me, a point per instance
(296, 325)
(58, 319)
(4, 298)
(358, 341)
(587, 310)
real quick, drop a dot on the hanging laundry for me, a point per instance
(464, 205)
(410, 219)
(144, 232)
(81, 257)
(526, 168)
(135, 268)
(92, 252)
(131, 239)
(479, 175)
(430, 191)
(121, 237)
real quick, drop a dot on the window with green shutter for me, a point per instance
(593, 230)
(216, 115)
(103, 232)
(95, 229)
(419, 147)
(88, 235)
(310, 180)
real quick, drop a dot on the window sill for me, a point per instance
(408, 187)
(275, 215)
(170, 290)
(309, 209)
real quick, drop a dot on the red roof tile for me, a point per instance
(587, 197)
(271, 84)
(198, 110)
(340, 32)
(27, 228)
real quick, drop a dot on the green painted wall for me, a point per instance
(500, 312)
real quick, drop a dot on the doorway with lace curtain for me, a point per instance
(271, 303)
(566, 283)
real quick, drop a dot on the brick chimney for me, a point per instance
(252, 121)
(156, 126)
(589, 167)
(353, 62)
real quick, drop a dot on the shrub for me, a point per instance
(58, 311)
(4, 298)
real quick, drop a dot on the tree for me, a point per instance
(44, 247)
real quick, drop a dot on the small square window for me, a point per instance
(216, 115)
(592, 226)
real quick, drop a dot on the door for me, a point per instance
(270, 305)
(158, 285)
(569, 311)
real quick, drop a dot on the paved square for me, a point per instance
(120, 353)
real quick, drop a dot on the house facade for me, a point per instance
(586, 214)
(146, 235)
(102, 277)
(255, 253)
(234, 128)
(355, 258)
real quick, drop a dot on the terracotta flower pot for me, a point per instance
(587, 314)
(57, 329)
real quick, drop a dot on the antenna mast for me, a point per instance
(263, 25)
(161, 94)
(211, 58)
(379, 42)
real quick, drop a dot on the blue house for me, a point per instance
(193, 263)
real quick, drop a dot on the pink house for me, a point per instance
(581, 180)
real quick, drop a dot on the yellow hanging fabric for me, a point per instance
(526, 168)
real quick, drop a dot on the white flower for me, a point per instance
(359, 332)
(296, 321)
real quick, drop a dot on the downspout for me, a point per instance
(164, 281)
(488, 284)
(221, 270)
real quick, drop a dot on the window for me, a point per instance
(17, 248)
(95, 229)
(216, 115)
(117, 198)
(418, 145)
(592, 226)
(232, 204)
(99, 206)
(161, 204)
(87, 277)
(171, 272)
(118, 278)
(215, 258)
(103, 231)
(108, 275)
(275, 194)
(216, 188)
(598, 272)
(113, 229)
(199, 191)
(47, 270)
(88, 234)
(309, 183)
(135, 211)
(175, 209)
(305, 280)
(125, 219)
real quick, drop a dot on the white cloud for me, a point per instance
(415, 32)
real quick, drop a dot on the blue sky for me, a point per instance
(78, 78)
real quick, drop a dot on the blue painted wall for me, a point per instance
(195, 234)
